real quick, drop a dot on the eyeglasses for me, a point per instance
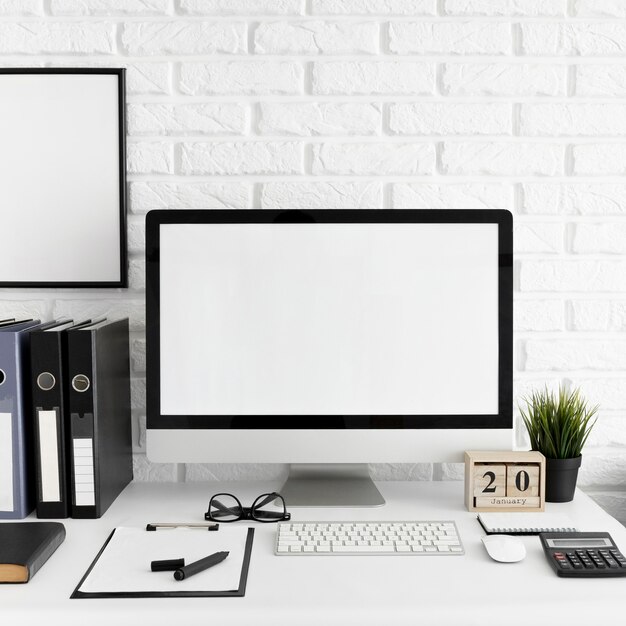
(268, 507)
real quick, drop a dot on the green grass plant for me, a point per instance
(558, 424)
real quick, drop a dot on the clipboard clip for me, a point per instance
(192, 526)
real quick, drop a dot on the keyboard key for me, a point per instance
(357, 549)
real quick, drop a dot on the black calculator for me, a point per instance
(577, 555)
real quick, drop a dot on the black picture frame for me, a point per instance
(115, 275)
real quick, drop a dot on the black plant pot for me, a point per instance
(561, 475)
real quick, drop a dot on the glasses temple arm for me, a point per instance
(223, 508)
(270, 497)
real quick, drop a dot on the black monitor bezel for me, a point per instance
(502, 420)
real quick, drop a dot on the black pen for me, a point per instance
(168, 525)
(199, 566)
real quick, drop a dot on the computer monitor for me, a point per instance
(328, 337)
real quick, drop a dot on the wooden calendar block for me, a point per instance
(506, 503)
(490, 479)
(522, 479)
(504, 481)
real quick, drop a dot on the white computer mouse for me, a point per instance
(504, 548)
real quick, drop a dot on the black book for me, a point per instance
(100, 418)
(25, 547)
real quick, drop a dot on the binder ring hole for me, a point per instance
(80, 383)
(3, 376)
(46, 381)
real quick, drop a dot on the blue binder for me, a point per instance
(16, 476)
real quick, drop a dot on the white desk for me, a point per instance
(377, 590)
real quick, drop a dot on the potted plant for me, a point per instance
(558, 427)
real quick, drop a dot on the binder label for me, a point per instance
(84, 485)
(49, 456)
(6, 463)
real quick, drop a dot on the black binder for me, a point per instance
(100, 418)
(48, 349)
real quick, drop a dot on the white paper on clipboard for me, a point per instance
(124, 565)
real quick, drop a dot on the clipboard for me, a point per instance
(195, 592)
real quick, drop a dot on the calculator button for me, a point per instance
(617, 555)
(576, 564)
(562, 560)
(598, 562)
(610, 561)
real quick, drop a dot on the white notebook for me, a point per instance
(525, 523)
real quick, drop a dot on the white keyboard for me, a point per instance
(317, 538)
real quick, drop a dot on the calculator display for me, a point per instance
(579, 543)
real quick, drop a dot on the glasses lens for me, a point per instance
(224, 508)
(270, 507)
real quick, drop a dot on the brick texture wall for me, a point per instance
(378, 103)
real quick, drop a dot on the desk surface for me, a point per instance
(471, 589)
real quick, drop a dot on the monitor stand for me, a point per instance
(330, 485)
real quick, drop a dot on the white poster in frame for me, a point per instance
(62, 177)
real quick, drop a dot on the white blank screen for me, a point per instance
(329, 319)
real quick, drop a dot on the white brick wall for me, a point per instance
(518, 104)
(504, 79)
